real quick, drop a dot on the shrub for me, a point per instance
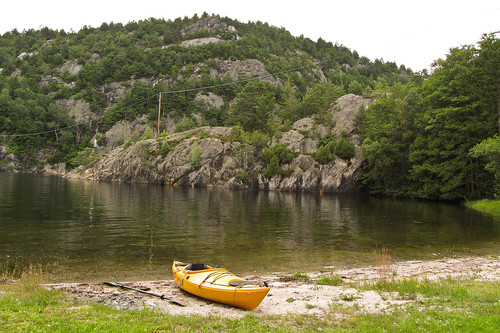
(101, 139)
(280, 151)
(195, 156)
(128, 143)
(236, 134)
(241, 176)
(273, 168)
(323, 155)
(203, 134)
(258, 139)
(344, 149)
(184, 125)
(148, 134)
(165, 149)
(86, 157)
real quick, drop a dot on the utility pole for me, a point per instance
(159, 110)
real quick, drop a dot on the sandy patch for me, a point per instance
(293, 296)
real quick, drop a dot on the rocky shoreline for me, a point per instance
(291, 296)
(224, 161)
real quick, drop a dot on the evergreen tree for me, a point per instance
(457, 116)
(253, 107)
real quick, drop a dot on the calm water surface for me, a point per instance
(94, 231)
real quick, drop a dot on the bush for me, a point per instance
(241, 176)
(195, 156)
(86, 157)
(185, 125)
(165, 149)
(128, 143)
(344, 149)
(280, 151)
(203, 134)
(148, 134)
(323, 155)
(236, 134)
(101, 139)
(258, 139)
(273, 168)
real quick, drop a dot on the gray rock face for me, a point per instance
(224, 163)
(72, 67)
(239, 69)
(7, 161)
(201, 41)
(345, 109)
(208, 101)
(210, 24)
(77, 109)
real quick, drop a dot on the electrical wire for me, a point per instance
(258, 77)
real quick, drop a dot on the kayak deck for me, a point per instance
(217, 284)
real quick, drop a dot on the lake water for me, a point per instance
(93, 231)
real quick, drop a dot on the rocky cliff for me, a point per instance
(210, 156)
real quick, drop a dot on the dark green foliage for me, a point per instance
(185, 124)
(489, 150)
(318, 99)
(253, 106)
(324, 154)
(329, 147)
(258, 139)
(31, 121)
(165, 149)
(140, 100)
(86, 157)
(273, 167)
(275, 157)
(281, 152)
(344, 149)
(195, 156)
(241, 176)
(417, 139)
(461, 110)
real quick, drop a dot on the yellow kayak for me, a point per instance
(218, 285)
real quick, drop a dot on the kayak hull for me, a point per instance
(218, 285)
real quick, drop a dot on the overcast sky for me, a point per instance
(413, 33)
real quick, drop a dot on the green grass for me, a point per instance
(446, 305)
(491, 207)
(330, 280)
(300, 276)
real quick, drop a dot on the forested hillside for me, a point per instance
(63, 93)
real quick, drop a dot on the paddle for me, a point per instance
(114, 284)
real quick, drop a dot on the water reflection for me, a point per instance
(99, 230)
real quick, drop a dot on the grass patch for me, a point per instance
(448, 306)
(300, 276)
(491, 207)
(331, 280)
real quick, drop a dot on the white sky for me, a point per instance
(413, 33)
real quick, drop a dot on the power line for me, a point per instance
(249, 79)
(40, 133)
(258, 77)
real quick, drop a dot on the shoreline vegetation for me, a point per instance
(491, 207)
(432, 296)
